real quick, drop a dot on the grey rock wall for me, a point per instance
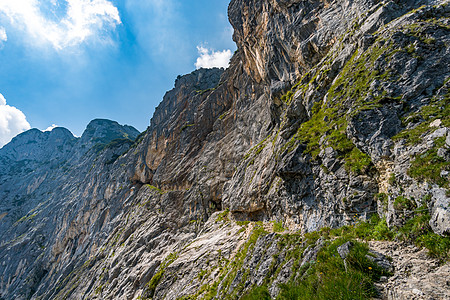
(326, 112)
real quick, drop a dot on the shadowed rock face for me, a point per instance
(101, 131)
(39, 146)
(40, 171)
(325, 105)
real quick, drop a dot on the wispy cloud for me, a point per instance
(50, 128)
(159, 27)
(3, 36)
(12, 122)
(209, 58)
(62, 23)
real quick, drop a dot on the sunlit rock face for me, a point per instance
(326, 112)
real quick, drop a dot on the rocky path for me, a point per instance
(416, 275)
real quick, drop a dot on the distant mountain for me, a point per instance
(35, 163)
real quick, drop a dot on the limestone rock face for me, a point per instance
(35, 145)
(101, 131)
(42, 173)
(330, 112)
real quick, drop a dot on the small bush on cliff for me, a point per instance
(403, 203)
(358, 162)
(223, 216)
(437, 245)
(416, 230)
(428, 166)
(381, 231)
(257, 293)
(154, 281)
(278, 227)
(330, 278)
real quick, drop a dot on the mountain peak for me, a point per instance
(35, 144)
(201, 79)
(331, 114)
(102, 131)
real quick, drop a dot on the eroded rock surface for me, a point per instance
(330, 111)
(416, 275)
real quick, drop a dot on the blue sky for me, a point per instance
(66, 62)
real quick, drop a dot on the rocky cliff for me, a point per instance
(330, 114)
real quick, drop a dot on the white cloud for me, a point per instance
(3, 36)
(210, 58)
(77, 20)
(12, 122)
(50, 128)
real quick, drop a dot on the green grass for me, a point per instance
(428, 166)
(403, 203)
(26, 218)
(344, 286)
(222, 116)
(286, 98)
(153, 283)
(156, 278)
(154, 188)
(437, 245)
(257, 293)
(327, 277)
(228, 270)
(416, 230)
(186, 126)
(416, 226)
(382, 199)
(381, 231)
(350, 94)
(439, 108)
(328, 124)
(278, 227)
(392, 179)
(254, 151)
(238, 261)
(223, 216)
(375, 229)
(358, 162)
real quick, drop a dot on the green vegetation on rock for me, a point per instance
(419, 121)
(429, 165)
(154, 188)
(329, 277)
(223, 216)
(154, 281)
(349, 94)
(257, 293)
(278, 227)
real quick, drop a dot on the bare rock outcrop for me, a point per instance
(330, 112)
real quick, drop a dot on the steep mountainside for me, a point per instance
(39, 170)
(330, 114)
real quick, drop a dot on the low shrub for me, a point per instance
(328, 277)
(257, 293)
